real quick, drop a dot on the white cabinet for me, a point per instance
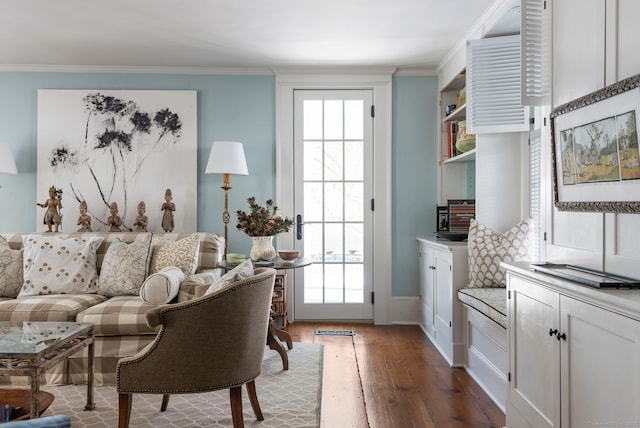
(443, 270)
(574, 354)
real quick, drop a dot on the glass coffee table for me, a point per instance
(29, 348)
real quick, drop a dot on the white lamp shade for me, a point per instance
(7, 164)
(227, 157)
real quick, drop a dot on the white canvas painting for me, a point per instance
(122, 146)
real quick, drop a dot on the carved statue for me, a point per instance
(168, 207)
(141, 220)
(84, 221)
(114, 220)
(53, 205)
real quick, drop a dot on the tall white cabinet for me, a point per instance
(443, 271)
(574, 353)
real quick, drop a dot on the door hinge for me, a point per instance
(544, 5)
(373, 204)
(450, 268)
(373, 297)
(532, 120)
(544, 236)
(373, 111)
(449, 323)
(509, 376)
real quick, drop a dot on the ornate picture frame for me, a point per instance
(595, 153)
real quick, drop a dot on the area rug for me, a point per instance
(288, 398)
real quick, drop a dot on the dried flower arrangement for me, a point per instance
(262, 221)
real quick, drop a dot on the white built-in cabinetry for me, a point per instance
(574, 353)
(443, 271)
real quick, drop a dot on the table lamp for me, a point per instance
(7, 164)
(226, 157)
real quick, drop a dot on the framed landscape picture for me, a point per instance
(595, 150)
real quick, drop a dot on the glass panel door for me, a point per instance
(333, 164)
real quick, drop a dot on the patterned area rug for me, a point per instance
(287, 398)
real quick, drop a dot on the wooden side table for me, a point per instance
(276, 336)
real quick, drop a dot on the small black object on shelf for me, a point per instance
(452, 236)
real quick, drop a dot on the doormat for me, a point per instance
(335, 333)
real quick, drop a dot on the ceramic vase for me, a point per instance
(262, 248)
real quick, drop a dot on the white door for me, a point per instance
(534, 354)
(599, 370)
(333, 164)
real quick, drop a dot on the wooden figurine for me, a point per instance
(168, 207)
(84, 221)
(142, 221)
(52, 216)
(114, 220)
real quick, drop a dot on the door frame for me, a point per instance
(380, 83)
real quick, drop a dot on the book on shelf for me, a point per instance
(461, 211)
(452, 135)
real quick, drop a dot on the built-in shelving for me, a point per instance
(457, 115)
(469, 156)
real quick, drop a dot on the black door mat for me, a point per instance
(335, 333)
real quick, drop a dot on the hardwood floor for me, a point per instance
(392, 376)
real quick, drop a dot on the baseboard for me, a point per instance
(405, 310)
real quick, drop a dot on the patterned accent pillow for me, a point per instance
(195, 286)
(124, 268)
(242, 271)
(488, 248)
(161, 287)
(182, 253)
(55, 265)
(11, 277)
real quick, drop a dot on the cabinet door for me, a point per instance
(600, 361)
(427, 288)
(443, 304)
(534, 389)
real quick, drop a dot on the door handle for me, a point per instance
(299, 227)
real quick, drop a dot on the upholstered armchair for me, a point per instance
(213, 342)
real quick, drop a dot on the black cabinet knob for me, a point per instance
(553, 331)
(561, 336)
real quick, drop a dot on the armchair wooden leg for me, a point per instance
(253, 398)
(165, 402)
(124, 410)
(236, 406)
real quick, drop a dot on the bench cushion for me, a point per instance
(119, 315)
(491, 302)
(61, 307)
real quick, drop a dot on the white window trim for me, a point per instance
(380, 83)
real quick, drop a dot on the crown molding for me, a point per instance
(47, 68)
(416, 72)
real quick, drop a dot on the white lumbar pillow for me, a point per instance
(161, 287)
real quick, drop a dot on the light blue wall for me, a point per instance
(240, 108)
(415, 175)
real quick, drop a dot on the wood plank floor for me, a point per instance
(392, 376)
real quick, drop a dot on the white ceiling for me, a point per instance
(254, 34)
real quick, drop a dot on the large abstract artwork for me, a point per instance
(122, 146)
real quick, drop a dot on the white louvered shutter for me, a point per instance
(535, 32)
(493, 86)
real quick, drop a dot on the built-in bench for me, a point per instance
(486, 360)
